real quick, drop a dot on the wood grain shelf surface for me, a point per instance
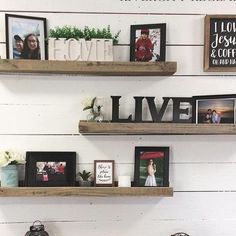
(88, 68)
(85, 191)
(110, 128)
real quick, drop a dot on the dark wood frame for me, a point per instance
(133, 30)
(138, 151)
(112, 162)
(210, 97)
(207, 66)
(31, 170)
(8, 37)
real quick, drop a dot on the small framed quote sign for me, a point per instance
(104, 173)
(220, 43)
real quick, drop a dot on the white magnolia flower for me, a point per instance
(88, 102)
(98, 102)
(15, 156)
(11, 157)
(4, 159)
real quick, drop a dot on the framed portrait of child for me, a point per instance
(148, 42)
(151, 167)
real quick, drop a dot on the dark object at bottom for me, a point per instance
(180, 234)
(37, 230)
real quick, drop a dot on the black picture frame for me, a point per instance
(156, 35)
(145, 177)
(214, 109)
(19, 30)
(37, 175)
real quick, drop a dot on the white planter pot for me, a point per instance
(9, 176)
(80, 50)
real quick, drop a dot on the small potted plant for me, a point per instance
(85, 178)
(87, 44)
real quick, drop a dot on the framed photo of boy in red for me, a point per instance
(148, 42)
(151, 167)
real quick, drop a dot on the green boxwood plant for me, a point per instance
(86, 33)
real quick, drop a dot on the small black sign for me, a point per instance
(220, 43)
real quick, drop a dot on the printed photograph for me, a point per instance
(25, 37)
(152, 166)
(147, 42)
(219, 110)
(51, 171)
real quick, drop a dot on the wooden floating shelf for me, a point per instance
(110, 128)
(85, 191)
(88, 68)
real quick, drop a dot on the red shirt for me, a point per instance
(144, 48)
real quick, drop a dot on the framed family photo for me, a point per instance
(104, 173)
(148, 42)
(25, 37)
(151, 167)
(50, 169)
(214, 109)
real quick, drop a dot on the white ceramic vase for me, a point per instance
(9, 176)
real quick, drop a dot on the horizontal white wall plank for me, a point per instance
(169, 215)
(72, 90)
(210, 228)
(53, 105)
(183, 149)
(193, 24)
(135, 6)
(31, 119)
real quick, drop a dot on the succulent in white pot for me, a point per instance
(72, 43)
(85, 178)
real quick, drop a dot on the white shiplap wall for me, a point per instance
(42, 113)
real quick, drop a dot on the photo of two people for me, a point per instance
(216, 111)
(25, 37)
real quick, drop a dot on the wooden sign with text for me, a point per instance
(80, 50)
(104, 173)
(220, 43)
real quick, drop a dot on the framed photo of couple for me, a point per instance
(151, 167)
(214, 109)
(25, 37)
(148, 42)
